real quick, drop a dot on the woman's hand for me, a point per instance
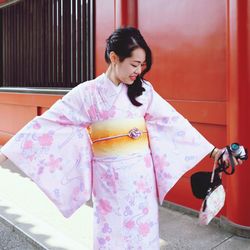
(216, 155)
(2, 158)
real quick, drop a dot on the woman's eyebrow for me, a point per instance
(139, 61)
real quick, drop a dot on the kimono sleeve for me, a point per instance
(54, 150)
(176, 146)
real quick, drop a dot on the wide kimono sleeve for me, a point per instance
(176, 146)
(54, 150)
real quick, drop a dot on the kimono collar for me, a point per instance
(108, 90)
(112, 85)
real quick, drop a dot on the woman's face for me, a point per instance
(127, 70)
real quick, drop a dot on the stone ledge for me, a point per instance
(8, 229)
(222, 222)
(234, 228)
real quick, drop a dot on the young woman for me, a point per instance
(115, 139)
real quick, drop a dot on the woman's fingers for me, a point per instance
(239, 161)
(225, 158)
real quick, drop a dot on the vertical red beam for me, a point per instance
(126, 13)
(238, 205)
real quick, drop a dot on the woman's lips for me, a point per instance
(133, 78)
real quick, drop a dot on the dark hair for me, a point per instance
(123, 41)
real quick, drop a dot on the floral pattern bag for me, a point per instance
(212, 204)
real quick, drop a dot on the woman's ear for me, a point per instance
(113, 57)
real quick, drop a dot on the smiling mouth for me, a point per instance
(133, 77)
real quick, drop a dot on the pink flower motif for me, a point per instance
(106, 228)
(54, 163)
(101, 241)
(107, 114)
(36, 126)
(45, 139)
(110, 179)
(76, 192)
(148, 161)
(144, 229)
(148, 117)
(28, 144)
(31, 157)
(92, 112)
(145, 210)
(141, 186)
(160, 162)
(104, 207)
(168, 176)
(129, 224)
(63, 120)
(40, 170)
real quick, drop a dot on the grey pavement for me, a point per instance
(28, 220)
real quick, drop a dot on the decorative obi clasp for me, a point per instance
(134, 133)
(118, 136)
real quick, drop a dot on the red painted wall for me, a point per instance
(201, 65)
(189, 68)
(238, 113)
(17, 109)
(105, 24)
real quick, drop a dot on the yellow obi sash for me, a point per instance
(119, 137)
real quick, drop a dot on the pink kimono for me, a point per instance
(96, 143)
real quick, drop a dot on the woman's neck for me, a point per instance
(110, 74)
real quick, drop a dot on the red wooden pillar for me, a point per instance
(126, 13)
(238, 112)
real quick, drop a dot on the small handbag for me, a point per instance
(208, 186)
(213, 202)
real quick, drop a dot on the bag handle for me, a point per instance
(221, 164)
(231, 162)
(212, 175)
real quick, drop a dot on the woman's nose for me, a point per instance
(138, 70)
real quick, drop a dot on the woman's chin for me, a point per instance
(129, 82)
